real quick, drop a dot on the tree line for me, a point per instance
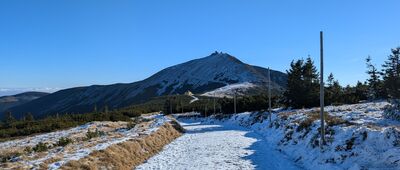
(385, 83)
(205, 105)
(303, 84)
(11, 127)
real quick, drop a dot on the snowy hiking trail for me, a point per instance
(218, 146)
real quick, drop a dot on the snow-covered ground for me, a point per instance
(218, 146)
(56, 156)
(230, 90)
(194, 98)
(358, 137)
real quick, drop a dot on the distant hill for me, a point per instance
(199, 76)
(7, 102)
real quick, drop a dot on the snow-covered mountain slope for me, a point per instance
(199, 76)
(230, 90)
(218, 68)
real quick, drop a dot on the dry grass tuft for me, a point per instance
(315, 115)
(129, 154)
(285, 115)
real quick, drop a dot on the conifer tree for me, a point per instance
(337, 92)
(10, 119)
(328, 90)
(330, 80)
(294, 89)
(391, 74)
(302, 86)
(334, 91)
(374, 83)
(361, 90)
(391, 83)
(311, 84)
(29, 117)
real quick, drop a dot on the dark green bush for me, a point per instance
(63, 141)
(28, 149)
(350, 143)
(95, 134)
(40, 147)
(130, 125)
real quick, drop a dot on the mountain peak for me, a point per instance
(198, 76)
(219, 54)
(217, 57)
(216, 53)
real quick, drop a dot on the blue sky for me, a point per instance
(67, 43)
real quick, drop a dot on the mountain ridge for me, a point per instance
(198, 75)
(10, 101)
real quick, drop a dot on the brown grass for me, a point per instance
(315, 115)
(129, 154)
(285, 115)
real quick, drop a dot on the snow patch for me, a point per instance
(229, 90)
(194, 98)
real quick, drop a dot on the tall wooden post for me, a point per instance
(322, 90)
(269, 94)
(234, 102)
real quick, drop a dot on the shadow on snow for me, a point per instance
(263, 155)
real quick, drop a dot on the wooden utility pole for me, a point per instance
(321, 98)
(234, 102)
(269, 94)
